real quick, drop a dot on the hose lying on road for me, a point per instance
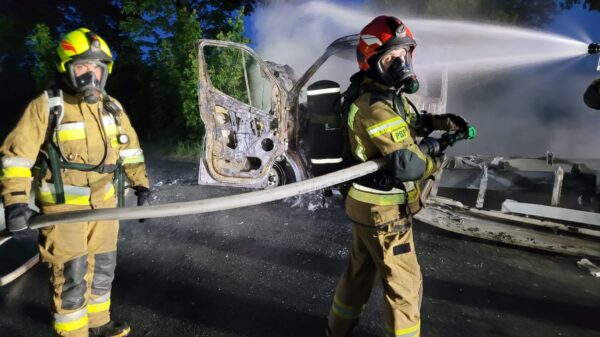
(210, 205)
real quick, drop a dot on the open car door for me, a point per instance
(242, 106)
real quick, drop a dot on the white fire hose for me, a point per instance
(209, 205)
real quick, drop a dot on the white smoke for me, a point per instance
(521, 88)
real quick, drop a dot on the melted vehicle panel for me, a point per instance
(241, 106)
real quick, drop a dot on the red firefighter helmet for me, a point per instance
(381, 35)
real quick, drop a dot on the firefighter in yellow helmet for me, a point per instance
(381, 123)
(78, 145)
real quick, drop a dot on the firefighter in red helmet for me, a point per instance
(380, 205)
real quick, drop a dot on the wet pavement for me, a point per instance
(270, 270)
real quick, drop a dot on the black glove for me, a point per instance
(457, 123)
(143, 197)
(432, 146)
(17, 220)
(592, 95)
(443, 122)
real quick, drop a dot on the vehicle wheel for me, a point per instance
(276, 176)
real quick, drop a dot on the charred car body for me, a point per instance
(266, 128)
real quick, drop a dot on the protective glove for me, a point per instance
(438, 161)
(17, 220)
(443, 122)
(143, 197)
(592, 95)
(432, 146)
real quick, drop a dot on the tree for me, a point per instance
(42, 47)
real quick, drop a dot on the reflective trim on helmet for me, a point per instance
(385, 126)
(371, 39)
(70, 322)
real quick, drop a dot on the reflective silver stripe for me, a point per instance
(371, 39)
(71, 316)
(132, 156)
(409, 185)
(101, 299)
(326, 161)
(322, 91)
(110, 126)
(17, 162)
(386, 126)
(372, 190)
(54, 101)
(69, 189)
(72, 126)
(130, 153)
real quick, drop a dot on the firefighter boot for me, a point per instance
(111, 329)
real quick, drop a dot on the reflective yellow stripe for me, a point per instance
(71, 326)
(66, 135)
(413, 331)
(351, 115)
(360, 149)
(16, 172)
(74, 195)
(110, 130)
(345, 311)
(70, 199)
(133, 160)
(110, 193)
(385, 127)
(377, 199)
(413, 196)
(98, 307)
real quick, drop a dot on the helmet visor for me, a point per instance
(88, 74)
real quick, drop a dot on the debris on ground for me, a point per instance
(589, 266)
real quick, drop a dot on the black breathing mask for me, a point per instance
(88, 84)
(400, 75)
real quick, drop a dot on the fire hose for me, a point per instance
(209, 205)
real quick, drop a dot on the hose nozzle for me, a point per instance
(594, 48)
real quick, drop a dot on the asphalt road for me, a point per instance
(271, 270)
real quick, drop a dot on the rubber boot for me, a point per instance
(111, 329)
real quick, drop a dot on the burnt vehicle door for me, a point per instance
(242, 106)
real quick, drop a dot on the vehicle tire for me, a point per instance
(276, 176)
(281, 173)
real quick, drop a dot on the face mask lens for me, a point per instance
(88, 75)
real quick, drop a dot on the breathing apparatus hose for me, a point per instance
(209, 205)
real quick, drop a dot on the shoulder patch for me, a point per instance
(400, 134)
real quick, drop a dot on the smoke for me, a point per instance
(521, 88)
